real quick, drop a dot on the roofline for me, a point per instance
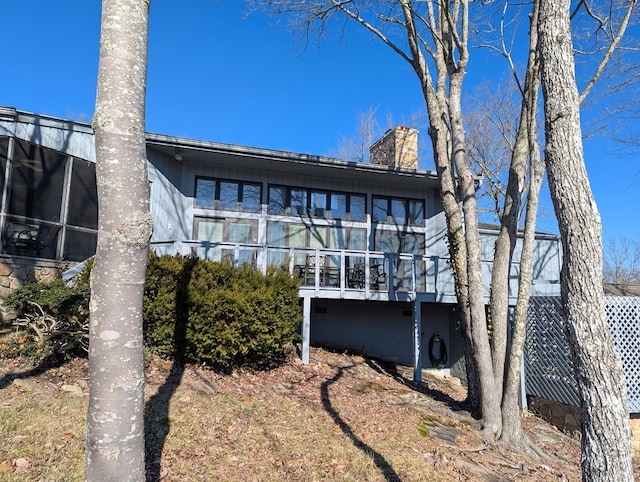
(12, 114)
(283, 156)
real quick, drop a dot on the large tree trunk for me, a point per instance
(443, 101)
(115, 422)
(604, 408)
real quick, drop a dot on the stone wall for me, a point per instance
(567, 418)
(18, 272)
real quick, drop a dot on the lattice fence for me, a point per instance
(548, 367)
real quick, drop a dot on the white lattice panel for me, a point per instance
(549, 371)
(623, 314)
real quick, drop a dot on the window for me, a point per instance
(298, 201)
(416, 212)
(357, 239)
(398, 211)
(233, 231)
(205, 193)
(52, 209)
(251, 197)
(79, 245)
(277, 199)
(4, 150)
(228, 195)
(397, 242)
(380, 210)
(357, 210)
(241, 233)
(316, 203)
(338, 205)
(83, 202)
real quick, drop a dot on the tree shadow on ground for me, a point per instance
(47, 363)
(156, 421)
(391, 370)
(156, 413)
(381, 463)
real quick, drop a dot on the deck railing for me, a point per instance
(323, 269)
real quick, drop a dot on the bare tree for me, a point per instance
(604, 407)
(525, 139)
(115, 421)
(622, 261)
(492, 115)
(367, 131)
(432, 37)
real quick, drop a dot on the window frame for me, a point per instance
(289, 196)
(216, 202)
(407, 217)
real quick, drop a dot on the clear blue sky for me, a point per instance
(216, 75)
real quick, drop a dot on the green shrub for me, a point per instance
(55, 316)
(239, 317)
(216, 314)
(165, 303)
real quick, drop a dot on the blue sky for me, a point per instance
(216, 75)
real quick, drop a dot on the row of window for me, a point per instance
(285, 235)
(246, 196)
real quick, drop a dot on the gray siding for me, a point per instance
(383, 330)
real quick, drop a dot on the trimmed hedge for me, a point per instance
(219, 315)
(238, 316)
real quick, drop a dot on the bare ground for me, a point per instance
(342, 417)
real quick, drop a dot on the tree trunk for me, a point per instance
(527, 146)
(512, 433)
(115, 422)
(604, 407)
(489, 400)
(457, 253)
(503, 253)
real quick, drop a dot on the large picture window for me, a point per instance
(389, 241)
(218, 236)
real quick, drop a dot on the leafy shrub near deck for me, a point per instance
(238, 316)
(219, 315)
(165, 303)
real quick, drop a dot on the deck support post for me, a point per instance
(417, 340)
(306, 328)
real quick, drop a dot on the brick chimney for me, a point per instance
(398, 147)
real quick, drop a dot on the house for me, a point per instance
(366, 240)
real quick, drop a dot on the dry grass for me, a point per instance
(341, 417)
